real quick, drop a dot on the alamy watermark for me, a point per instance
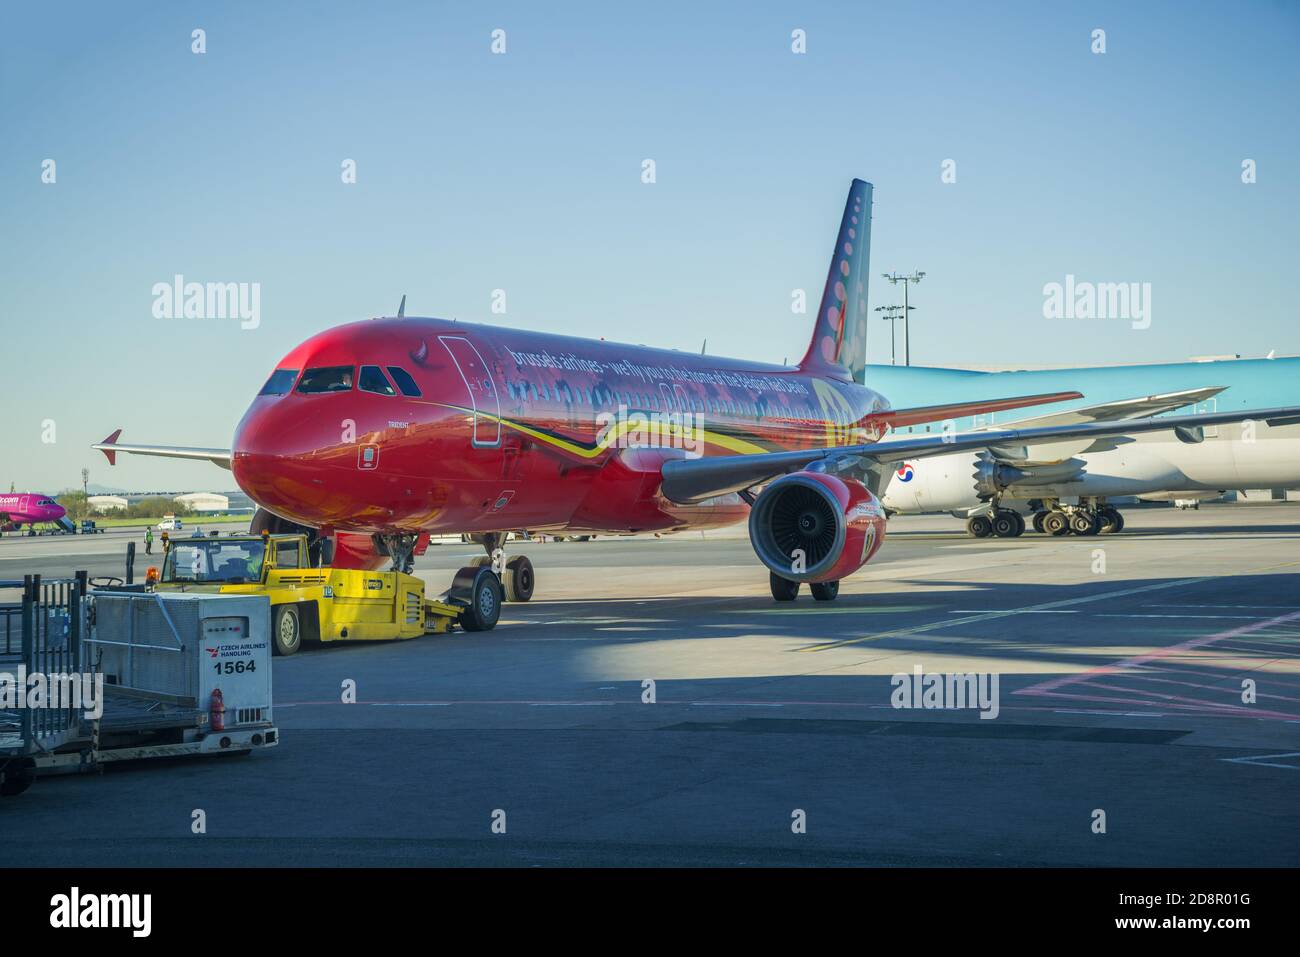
(1130, 301)
(946, 691)
(179, 299)
(56, 690)
(652, 430)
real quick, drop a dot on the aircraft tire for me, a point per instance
(979, 526)
(1056, 524)
(1085, 523)
(519, 579)
(825, 591)
(1004, 524)
(1112, 520)
(783, 589)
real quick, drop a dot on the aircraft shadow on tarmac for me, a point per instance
(1175, 645)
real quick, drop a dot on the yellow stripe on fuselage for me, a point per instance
(622, 427)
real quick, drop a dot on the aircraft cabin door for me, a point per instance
(483, 397)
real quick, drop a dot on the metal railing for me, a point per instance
(52, 625)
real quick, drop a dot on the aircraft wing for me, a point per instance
(956, 410)
(110, 447)
(693, 480)
(1122, 409)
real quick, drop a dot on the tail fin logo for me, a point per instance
(839, 342)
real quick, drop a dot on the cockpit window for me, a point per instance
(280, 383)
(404, 381)
(326, 379)
(372, 379)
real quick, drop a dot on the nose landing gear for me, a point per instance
(517, 576)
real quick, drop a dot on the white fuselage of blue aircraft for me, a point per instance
(1247, 455)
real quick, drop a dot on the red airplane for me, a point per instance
(374, 434)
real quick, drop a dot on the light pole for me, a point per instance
(895, 279)
(890, 316)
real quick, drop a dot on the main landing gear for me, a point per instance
(1086, 518)
(1003, 523)
(783, 589)
(1089, 517)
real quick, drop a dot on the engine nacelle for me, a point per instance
(816, 527)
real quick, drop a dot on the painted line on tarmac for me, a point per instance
(1062, 603)
(994, 615)
(1128, 664)
(1102, 614)
(1260, 759)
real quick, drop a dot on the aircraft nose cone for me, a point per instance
(281, 458)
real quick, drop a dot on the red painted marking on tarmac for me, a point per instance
(1169, 700)
(1127, 664)
(1169, 655)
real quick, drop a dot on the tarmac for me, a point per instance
(653, 706)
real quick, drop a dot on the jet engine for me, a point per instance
(992, 476)
(816, 527)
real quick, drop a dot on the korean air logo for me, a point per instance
(905, 472)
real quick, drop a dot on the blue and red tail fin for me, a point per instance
(839, 342)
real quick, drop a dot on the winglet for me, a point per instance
(109, 452)
(401, 309)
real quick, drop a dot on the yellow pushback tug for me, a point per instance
(321, 602)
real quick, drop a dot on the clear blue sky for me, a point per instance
(522, 172)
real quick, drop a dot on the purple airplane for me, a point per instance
(19, 510)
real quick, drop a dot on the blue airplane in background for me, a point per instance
(1065, 486)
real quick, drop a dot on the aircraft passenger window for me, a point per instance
(326, 379)
(280, 383)
(372, 379)
(404, 381)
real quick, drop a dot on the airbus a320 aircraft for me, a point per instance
(19, 510)
(374, 434)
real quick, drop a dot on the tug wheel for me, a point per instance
(483, 607)
(286, 630)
